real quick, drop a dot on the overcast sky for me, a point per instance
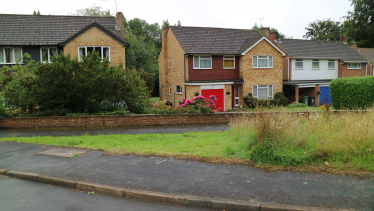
(290, 17)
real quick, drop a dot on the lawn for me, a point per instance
(154, 99)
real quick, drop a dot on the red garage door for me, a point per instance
(219, 95)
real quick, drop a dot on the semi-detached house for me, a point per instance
(44, 36)
(310, 66)
(227, 63)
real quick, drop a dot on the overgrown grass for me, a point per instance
(339, 140)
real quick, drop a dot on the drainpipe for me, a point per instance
(185, 90)
(288, 64)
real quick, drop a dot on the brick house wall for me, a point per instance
(261, 76)
(175, 75)
(343, 70)
(96, 37)
(216, 73)
(287, 72)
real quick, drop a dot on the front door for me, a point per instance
(235, 96)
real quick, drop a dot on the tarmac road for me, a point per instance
(18, 195)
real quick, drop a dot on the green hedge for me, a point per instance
(352, 93)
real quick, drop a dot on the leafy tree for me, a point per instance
(278, 34)
(36, 13)
(92, 11)
(359, 23)
(323, 30)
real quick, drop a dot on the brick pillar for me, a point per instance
(119, 22)
(297, 93)
(344, 39)
(316, 102)
(354, 45)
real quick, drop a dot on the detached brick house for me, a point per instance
(310, 65)
(44, 36)
(229, 63)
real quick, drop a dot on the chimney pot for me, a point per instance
(265, 32)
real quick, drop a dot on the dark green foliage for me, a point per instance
(278, 34)
(324, 30)
(352, 93)
(68, 86)
(279, 100)
(359, 24)
(296, 105)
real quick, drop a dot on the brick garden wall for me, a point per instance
(113, 121)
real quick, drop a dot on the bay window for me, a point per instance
(202, 62)
(262, 61)
(10, 55)
(263, 92)
(104, 51)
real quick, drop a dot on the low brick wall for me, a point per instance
(112, 121)
(139, 120)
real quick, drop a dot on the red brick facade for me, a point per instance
(343, 70)
(216, 73)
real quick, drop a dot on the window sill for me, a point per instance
(178, 93)
(202, 68)
(262, 67)
(354, 69)
(11, 63)
(315, 69)
(299, 69)
(233, 68)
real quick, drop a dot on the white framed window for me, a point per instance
(46, 54)
(169, 62)
(229, 62)
(9, 55)
(331, 64)
(315, 64)
(104, 51)
(354, 66)
(179, 89)
(263, 92)
(262, 61)
(202, 62)
(299, 64)
(169, 89)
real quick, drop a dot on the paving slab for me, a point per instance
(63, 152)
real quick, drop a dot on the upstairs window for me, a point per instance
(104, 51)
(315, 64)
(331, 64)
(262, 61)
(179, 90)
(47, 54)
(202, 62)
(263, 92)
(229, 62)
(10, 55)
(354, 66)
(299, 64)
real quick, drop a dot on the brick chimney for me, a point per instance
(354, 45)
(344, 39)
(119, 22)
(265, 32)
(272, 36)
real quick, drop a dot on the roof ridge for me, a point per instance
(211, 28)
(79, 16)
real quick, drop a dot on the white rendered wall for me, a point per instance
(307, 73)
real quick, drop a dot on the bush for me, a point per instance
(296, 105)
(352, 93)
(279, 100)
(68, 86)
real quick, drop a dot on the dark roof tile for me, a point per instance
(47, 29)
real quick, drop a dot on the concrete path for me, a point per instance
(106, 131)
(172, 176)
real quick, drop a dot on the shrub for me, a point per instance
(279, 100)
(352, 93)
(296, 105)
(201, 104)
(68, 86)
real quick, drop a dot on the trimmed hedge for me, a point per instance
(352, 93)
